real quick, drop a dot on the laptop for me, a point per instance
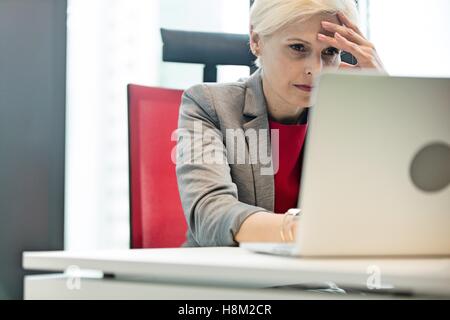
(376, 174)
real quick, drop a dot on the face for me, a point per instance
(292, 58)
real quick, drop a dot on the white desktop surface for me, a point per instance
(239, 268)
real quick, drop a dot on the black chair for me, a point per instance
(209, 49)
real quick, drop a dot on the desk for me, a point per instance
(222, 273)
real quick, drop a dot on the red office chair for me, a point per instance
(157, 219)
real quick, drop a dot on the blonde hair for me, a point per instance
(270, 16)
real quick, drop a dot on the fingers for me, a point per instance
(346, 21)
(341, 43)
(329, 40)
(348, 46)
(348, 37)
(348, 33)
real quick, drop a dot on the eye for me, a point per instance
(331, 51)
(298, 47)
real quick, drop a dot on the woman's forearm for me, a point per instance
(261, 227)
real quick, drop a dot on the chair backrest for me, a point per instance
(207, 48)
(157, 219)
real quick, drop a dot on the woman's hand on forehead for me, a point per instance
(348, 37)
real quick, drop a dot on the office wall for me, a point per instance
(32, 124)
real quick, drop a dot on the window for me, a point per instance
(412, 36)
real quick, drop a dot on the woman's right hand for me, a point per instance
(261, 227)
(289, 227)
(267, 227)
(348, 37)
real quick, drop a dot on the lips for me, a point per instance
(304, 87)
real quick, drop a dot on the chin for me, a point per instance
(300, 99)
(303, 103)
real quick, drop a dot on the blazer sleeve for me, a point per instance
(208, 195)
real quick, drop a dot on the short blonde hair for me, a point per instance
(269, 16)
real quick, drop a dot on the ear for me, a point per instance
(255, 42)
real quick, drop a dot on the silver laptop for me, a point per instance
(376, 172)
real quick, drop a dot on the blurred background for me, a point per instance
(64, 68)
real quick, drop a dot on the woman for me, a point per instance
(228, 201)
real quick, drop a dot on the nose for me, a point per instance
(313, 65)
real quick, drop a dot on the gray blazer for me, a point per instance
(217, 198)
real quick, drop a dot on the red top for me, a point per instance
(287, 178)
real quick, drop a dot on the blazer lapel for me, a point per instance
(256, 118)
